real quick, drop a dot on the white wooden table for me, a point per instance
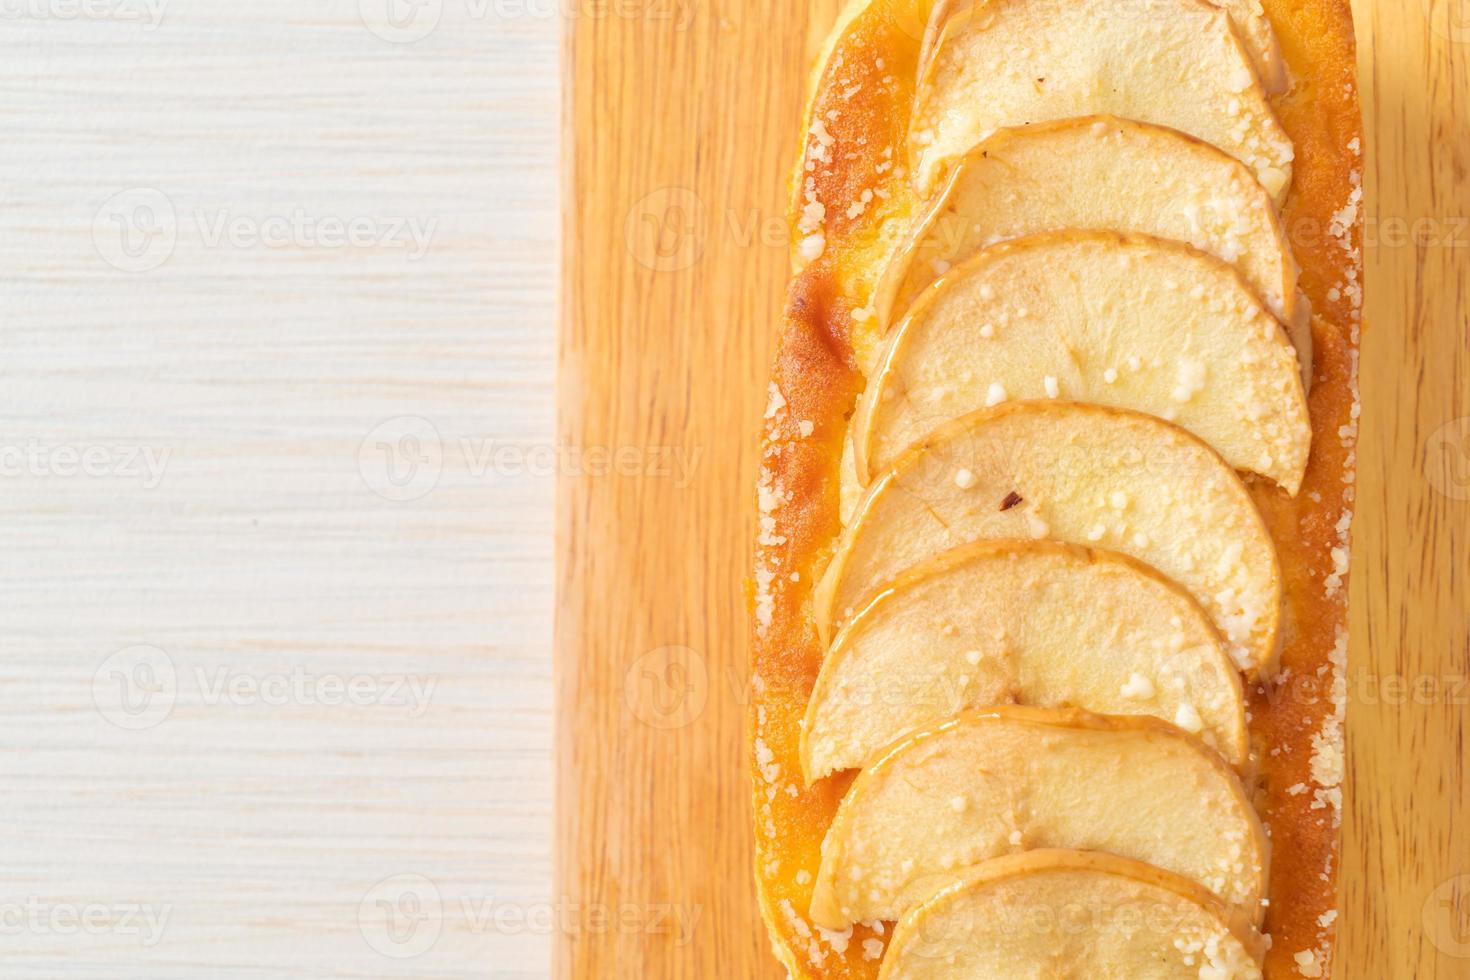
(276, 344)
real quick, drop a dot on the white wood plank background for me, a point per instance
(254, 476)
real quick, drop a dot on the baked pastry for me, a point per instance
(1049, 607)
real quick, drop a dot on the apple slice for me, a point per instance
(1036, 622)
(1059, 913)
(1104, 173)
(1087, 474)
(1248, 17)
(1250, 22)
(1013, 779)
(1092, 316)
(1175, 63)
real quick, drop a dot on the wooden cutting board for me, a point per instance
(680, 124)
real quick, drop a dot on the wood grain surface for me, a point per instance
(678, 133)
(1407, 848)
(681, 123)
(289, 487)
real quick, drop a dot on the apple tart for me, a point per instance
(1049, 605)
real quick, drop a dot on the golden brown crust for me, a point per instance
(815, 382)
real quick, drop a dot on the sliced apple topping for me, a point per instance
(1103, 173)
(1061, 913)
(1035, 622)
(1175, 63)
(1087, 474)
(1013, 779)
(1119, 320)
(1248, 17)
